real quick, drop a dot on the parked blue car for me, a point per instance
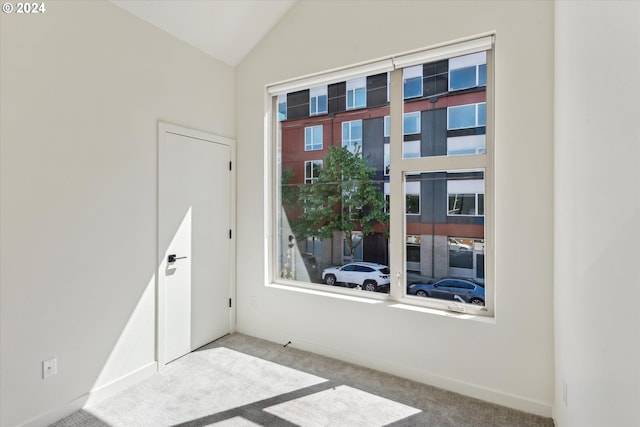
(461, 290)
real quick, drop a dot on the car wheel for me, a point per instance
(422, 294)
(476, 301)
(330, 280)
(370, 286)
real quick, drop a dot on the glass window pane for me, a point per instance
(462, 78)
(411, 149)
(411, 123)
(462, 117)
(361, 97)
(413, 87)
(322, 104)
(482, 74)
(442, 246)
(356, 129)
(444, 127)
(469, 144)
(329, 194)
(482, 114)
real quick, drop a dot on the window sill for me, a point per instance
(384, 300)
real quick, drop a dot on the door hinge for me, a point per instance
(230, 166)
(229, 302)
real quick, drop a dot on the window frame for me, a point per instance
(469, 61)
(477, 122)
(315, 93)
(307, 179)
(309, 145)
(353, 86)
(350, 140)
(399, 168)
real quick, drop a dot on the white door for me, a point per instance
(195, 246)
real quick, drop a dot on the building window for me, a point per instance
(282, 107)
(356, 93)
(318, 100)
(407, 220)
(313, 138)
(412, 197)
(468, 71)
(313, 246)
(467, 116)
(357, 254)
(411, 123)
(312, 169)
(469, 144)
(465, 197)
(411, 149)
(352, 136)
(412, 82)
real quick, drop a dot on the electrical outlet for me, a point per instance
(49, 367)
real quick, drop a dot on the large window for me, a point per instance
(405, 187)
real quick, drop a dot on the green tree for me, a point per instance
(343, 198)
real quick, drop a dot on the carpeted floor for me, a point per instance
(242, 381)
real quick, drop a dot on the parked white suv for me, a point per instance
(368, 275)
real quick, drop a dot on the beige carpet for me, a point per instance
(241, 381)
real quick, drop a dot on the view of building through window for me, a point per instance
(335, 165)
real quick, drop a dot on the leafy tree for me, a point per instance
(343, 198)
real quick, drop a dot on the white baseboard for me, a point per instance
(121, 383)
(93, 396)
(472, 390)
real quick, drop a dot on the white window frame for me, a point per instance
(314, 95)
(400, 168)
(414, 116)
(474, 60)
(410, 73)
(348, 141)
(468, 144)
(353, 86)
(282, 100)
(311, 179)
(477, 122)
(412, 188)
(309, 145)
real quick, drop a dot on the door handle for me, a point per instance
(174, 257)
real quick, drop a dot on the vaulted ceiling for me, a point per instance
(225, 29)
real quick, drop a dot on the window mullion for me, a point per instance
(440, 163)
(396, 191)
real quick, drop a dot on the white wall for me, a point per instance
(510, 360)
(597, 213)
(83, 87)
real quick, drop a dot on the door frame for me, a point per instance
(165, 128)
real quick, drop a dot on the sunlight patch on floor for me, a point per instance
(344, 406)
